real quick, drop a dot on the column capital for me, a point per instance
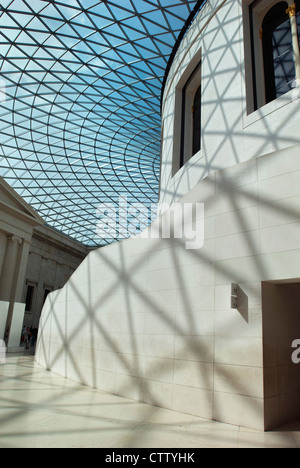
(16, 239)
(291, 11)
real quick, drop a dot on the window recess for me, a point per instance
(275, 32)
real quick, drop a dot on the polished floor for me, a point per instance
(40, 410)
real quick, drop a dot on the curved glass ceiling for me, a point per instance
(80, 85)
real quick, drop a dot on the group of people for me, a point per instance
(29, 337)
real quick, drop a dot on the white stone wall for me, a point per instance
(17, 220)
(221, 37)
(53, 258)
(152, 321)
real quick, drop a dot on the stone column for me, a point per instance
(21, 272)
(292, 12)
(3, 244)
(8, 276)
(11, 283)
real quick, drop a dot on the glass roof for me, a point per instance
(80, 86)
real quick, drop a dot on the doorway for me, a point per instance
(281, 326)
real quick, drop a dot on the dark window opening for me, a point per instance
(279, 64)
(183, 120)
(46, 294)
(298, 18)
(191, 117)
(29, 298)
(197, 122)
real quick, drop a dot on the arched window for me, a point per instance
(191, 117)
(197, 121)
(298, 18)
(187, 115)
(279, 63)
(275, 38)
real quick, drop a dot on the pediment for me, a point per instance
(11, 201)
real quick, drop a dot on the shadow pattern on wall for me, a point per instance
(152, 321)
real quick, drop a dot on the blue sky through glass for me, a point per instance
(80, 89)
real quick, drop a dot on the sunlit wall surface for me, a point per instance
(80, 103)
(206, 331)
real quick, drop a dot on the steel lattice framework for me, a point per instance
(80, 85)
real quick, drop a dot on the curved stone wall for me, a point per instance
(152, 320)
(231, 132)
